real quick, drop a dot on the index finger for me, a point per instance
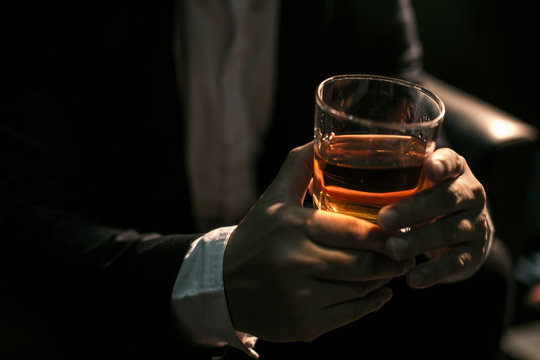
(342, 231)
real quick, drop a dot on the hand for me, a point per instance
(292, 274)
(449, 223)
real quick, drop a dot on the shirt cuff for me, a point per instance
(199, 306)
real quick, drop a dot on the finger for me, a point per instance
(346, 265)
(342, 314)
(457, 263)
(341, 231)
(449, 197)
(343, 291)
(448, 231)
(444, 164)
(293, 179)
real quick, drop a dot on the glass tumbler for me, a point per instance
(372, 135)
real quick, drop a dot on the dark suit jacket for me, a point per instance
(91, 139)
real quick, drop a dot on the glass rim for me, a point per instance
(325, 107)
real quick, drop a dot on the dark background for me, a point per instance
(488, 48)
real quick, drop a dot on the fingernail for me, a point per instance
(388, 219)
(398, 246)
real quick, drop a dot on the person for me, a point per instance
(135, 136)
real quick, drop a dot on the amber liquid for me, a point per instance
(359, 174)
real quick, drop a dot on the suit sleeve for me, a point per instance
(94, 287)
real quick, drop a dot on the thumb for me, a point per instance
(293, 179)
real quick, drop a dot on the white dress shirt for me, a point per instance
(199, 306)
(230, 59)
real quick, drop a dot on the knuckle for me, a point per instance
(274, 211)
(484, 227)
(455, 231)
(356, 229)
(464, 261)
(288, 261)
(464, 226)
(473, 231)
(480, 194)
(481, 233)
(288, 217)
(294, 259)
(465, 192)
(293, 155)
(454, 162)
(454, 194)
(462, 163)
(451, 152)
